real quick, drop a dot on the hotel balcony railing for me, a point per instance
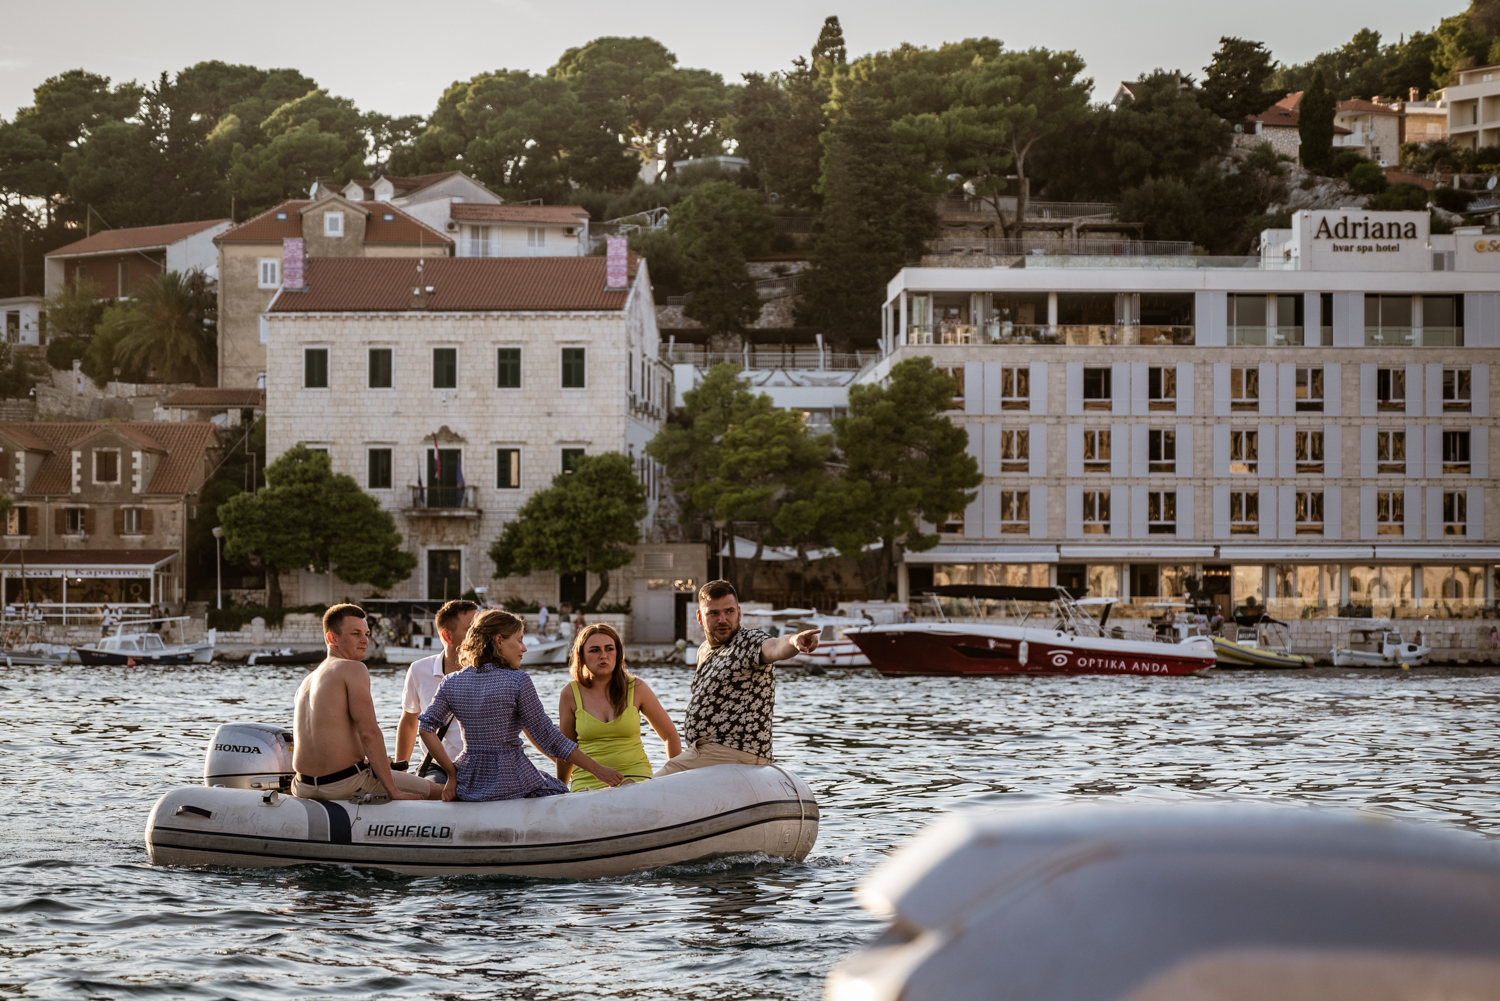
(444, 501)
(1414, 337)
(1278, 337)
(996, 332)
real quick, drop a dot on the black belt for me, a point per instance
(342, 773)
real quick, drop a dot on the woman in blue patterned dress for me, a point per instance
(494, 701)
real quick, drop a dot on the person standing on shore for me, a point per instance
(728, 719)
(422, 680)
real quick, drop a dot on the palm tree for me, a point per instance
(169, 324)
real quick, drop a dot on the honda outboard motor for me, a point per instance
(249, 756)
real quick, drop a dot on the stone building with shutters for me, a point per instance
(100, 510)
(1309, 429)
(453, 394)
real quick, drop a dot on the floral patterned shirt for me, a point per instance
(734, 694)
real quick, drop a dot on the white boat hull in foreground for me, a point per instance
(689, 816)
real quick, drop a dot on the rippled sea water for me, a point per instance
(83, 914)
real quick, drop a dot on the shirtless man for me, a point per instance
(338, 750)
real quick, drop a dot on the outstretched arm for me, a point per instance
(786, 647)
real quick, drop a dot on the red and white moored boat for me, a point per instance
(1075, 644)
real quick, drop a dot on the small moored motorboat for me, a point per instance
(144, 648)
(278, 658)
(1379, 646)
(1261, 644)
(242, 817)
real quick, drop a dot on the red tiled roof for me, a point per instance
(69, 558)
(212, 397)
(565, 215)
(459, 284)
(1291, 102)
(401, 228)
(178, 472)
(137, 238)
(1284, 115)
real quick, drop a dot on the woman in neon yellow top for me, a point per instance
(602, 708)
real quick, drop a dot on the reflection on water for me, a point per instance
(83, 915)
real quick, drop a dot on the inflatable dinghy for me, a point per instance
(242, 816)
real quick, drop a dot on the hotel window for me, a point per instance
(1457, 390)
(1015, 451)
(1310, 388)
(270, 272)
(1388, 320)
(106, 465)
(445, 368)
(574, 368)
(132, 521)
(1456, 452)
(75, 520)
(1161, 512)
(1097, 392)
(1162, 448)
(18, 521)
(1390, 513)
(508, 368)
(954, 525)
(1390, 388)
(1309, 513)
(1015, 512)
(1015, 389)
(1390, 452)
(570, 457)
(315, 368)
(1096, 450)
(1309, 452)
(508, 469)
(380, 368)
(1455, 513)
(956, 373)
(536, 240)
(1161, 387)
(1248, 319)
(1244, 388)
(1096, 512)
(1244, 451)
(1244, 512)
(479, 241)
(378, 469)
(333, 224)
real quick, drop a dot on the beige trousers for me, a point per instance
(706, 754)
(363, 781)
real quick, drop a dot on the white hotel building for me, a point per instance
(1310, 428)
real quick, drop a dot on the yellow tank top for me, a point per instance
(616, 743)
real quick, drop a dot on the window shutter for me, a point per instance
(1139, 384)
(1119, 451)
(1286, 512)
(1312, 319)
(1479, 452)
(1119, 513)
(1367, 513)
(1333, 512)
(1435, 513)
(1221, 449)
(60, 521)
(1038, 456)
(1414, 436)
(5, 465)
(1412, 527)
(1433, 447)
(1221, 513)
(148, 520)
(1075, 387)
(1184, 450)
(1039, 387)
(1140, 450)
(88, 520)
(1038, 509)
(1074, 435)
(991, 464)
(1286, 450)
(974, 514)
(1185, 388)
(1073, 499)
(1348, 319)
(1184, 509)
(1119, 389)
(1333, 453)
(1367, 405)
(991, 387)
(1434, 391)
(119, 521)
(1286, 389)
(1268, 512)
(1479, 379)
(1268, 389)
(1414, 390)
(990, 496)
(1138, 523)
(1266, 451)
(1333, 392)
(974, 388)
(1368, 456)
(1221, 389)
(1481, 320)
(1211, 318)
(1476, 513)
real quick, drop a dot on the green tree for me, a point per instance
(722, 208)
(309, 516)
(829, 51)
(906, 463)
(586, 521)
(777, 121)
(875, 219)
(1315, 124)
(1235, 80)
(165, 330)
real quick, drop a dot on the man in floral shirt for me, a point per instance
(734, 689)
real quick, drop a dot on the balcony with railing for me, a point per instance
(804, 357)
(1279, 337)
(1086, 335)
(443, 502)
(1414, 337)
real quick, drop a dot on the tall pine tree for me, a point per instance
(1315, 124)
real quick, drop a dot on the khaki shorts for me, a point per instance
(364, 781)
(706, 754)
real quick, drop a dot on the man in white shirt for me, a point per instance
(423, 679)
(541, 622)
